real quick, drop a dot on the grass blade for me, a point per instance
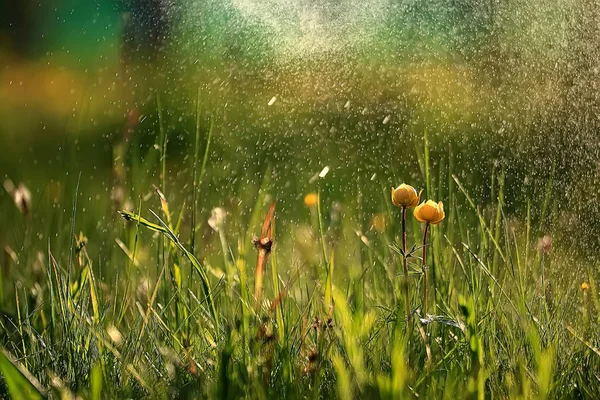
(21, 383)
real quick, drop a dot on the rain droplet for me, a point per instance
(324, 172)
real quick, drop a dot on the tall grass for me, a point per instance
(178, 318)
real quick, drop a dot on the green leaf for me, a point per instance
(21, 383)
(129, 216)
(96, 382)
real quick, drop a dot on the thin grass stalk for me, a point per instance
(425, 270)
(206, 150)
(405, 267)
(498, 221)
(51, 290)
(195, 182)
(163, 139)
(72, 237)
(163, 182)
(195, 185)
(527, 235)
(18, 306)
(278, 294)
(427, 346)
(131, 264)
(321, 233)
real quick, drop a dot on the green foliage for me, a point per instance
(21, 385)
(502, 323)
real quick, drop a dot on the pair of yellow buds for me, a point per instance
(429, 211)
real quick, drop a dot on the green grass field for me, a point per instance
(196, 199)
(163, 300)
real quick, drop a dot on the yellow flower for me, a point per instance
(430, 212)
(405, 196)
(311, 199)
(585, 286)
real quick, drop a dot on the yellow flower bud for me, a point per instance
(430, 212)
(585, 286)
(405, 196)
(311, 199)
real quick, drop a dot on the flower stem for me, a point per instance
(425, 270)
(420, 325)
(405, 265)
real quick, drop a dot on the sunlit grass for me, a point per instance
(467, 304)
(206, 213)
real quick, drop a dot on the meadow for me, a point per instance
(164, 299)
(218, 213)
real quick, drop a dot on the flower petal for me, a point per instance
(441, 213)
